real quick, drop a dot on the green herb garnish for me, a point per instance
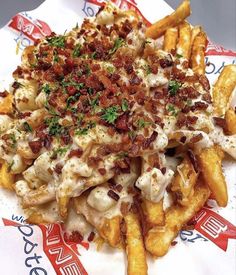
(13, 140)
(57, 41)
(172, 110)
(174, 87)
(124, 105)
(46, 89)
(141, 123)
(119, 42)
(10, 166)
(54, 128)
(110, 114)
(179, 55)
(76, 51)
(84, 131)
(27, 127)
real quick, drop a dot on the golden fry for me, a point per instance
(210, 160)
(7, 179)
(230, 117)
(184, 181)
(159, 239)
(183, 47)
(170, 39)
(159, 28)
(223, 89)
(37, 197)
(195, 31)
(153, 212)
(6, 104)
(63, 203)
(198, 53)
(109, 229)
(135, 247)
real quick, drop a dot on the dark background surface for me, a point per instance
(218, 17)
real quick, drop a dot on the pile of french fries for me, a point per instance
(147, 227)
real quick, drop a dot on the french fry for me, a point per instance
(195, 31)
(109, 229)
(230, 117)
(154, 212)
(223, 89)
(6, 106)
(158, 239)
(184, 181)
(170, 39)
(198, 53)
(37, 197)
(183, 47)
(159, 28)
(36, 218)
(135, 247)
(210, 161)
(63, 203)
(7, 179)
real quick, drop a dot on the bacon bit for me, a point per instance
(203, 80)
(134, 150)
(102, 171)
(184, 120)
(196, 138)
(58, 168)
(66, 138)
(103, 150)
(113, 195)
(114, 77)
(76, 153)
(35, 146)
(163, 170)
(173, 243)
(24, 115)
(221, 122)
(91, 236)
(188, 93)
(47, 141)
(123, 165)
(124, 208)
(135, 80)
(183, 139)
(193, 160)
(119, 187)
(164, 63)
(149, 140)
(207, 97)
(199, 105)
(122, 122)
(94, 161)
(75, 237)
(4, 94)
(128, 68)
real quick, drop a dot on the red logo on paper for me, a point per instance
(124, 5)
(213, 49)
(63, 255)
(33, 29)
(214, 227)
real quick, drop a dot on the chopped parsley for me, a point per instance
(189, 102)
(84, 131)
(122, 155)
(10, 166)
(93, 55)
(110, 114)
(147, 69)
(13, 140)
(172, 110)
(119, 42)
(78, 86)
(141, 123)
(147, 42)
(124, 105)
(110, 69)
(76, 51)
(60, 151)
(27, 127)
(57, 41)
(46, 89)
(80, 119)
(72, 99)
(131, 134)
(173, 87)
(179, 55)
(55, 57)
(54, 128)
